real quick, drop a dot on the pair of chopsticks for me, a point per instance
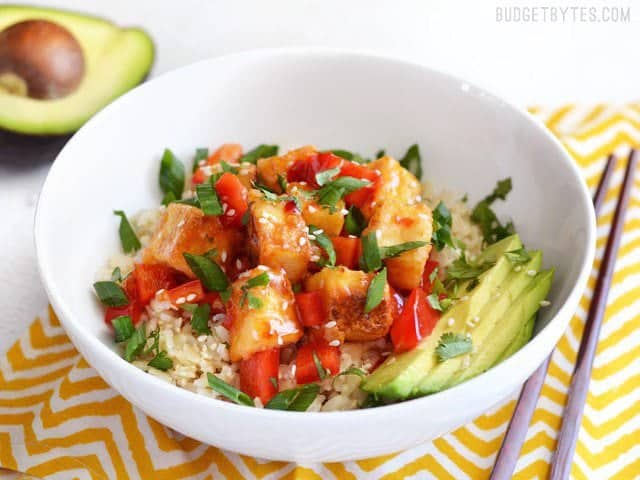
(572, 418)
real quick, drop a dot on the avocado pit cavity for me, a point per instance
(40, 59)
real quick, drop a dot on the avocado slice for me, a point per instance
(115, 60)
(507, 329)
(524, 335)
(505, 295)
(398, 376)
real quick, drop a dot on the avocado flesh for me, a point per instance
(116, 60)
(492, 313)
(507, 329)
(523, 337)
(398, 376)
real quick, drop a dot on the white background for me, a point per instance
(533, 63)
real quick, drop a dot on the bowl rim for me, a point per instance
(107, 356)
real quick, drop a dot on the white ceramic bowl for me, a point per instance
(333, 99)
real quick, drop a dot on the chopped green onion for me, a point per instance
(128, 238)
(261, 280)
(161, 361)
(201, 154)
(189, 307)
(200, 320)
(274, 382)
(228, 391)
(116, 275)
(351, 371)
(208, 272)
(208, 199)
(370, 259)
(282, 183)
(322, 372)
(322, 240)
(135, 344)
(111, 294)
(412, 161)
(375, 293)
(395, 250)
(296, 399)
(254, 302)
(226, 167)
(354, 222)
(332, 192)
(452, 345)
(123, 328)
(171, 177)
(261, 151)
(324, 177)
(380, 153)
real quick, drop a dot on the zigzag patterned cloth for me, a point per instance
(59, 420)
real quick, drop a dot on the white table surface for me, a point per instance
(528, 63)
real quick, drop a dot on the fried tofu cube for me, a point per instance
(396, 222)
(331, 222)
(269, 168)
(246, 172)
(278, 237)
(344, 292)
(263, 316)
(184, 228)
(395, 181)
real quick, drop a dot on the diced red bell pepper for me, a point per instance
(312, 311)
(133, 309)
(415, 322)
(198, 176)
(306, 368)
(305, 169)
(228, 152)
(427, 284)
(363, 195)
(232, 193)
(256, 373)
(152, 277)
(347, 251)
(190, 292)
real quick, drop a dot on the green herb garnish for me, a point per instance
(375, 293)
(441, 235)
(274, 382)
(282, 183)
(116, 275)
(395, 250)
(332, 192)
(200, 319)
(111, 294)
(171, 177)
(452, 345)
(460, 269)
(161, 361)
(370, 259)
(353, 371)
(227, 167)
(208, 272)
(123, 328)
(518, 257)
(296, 399)
(354, 221)
(412, 161)
(208, 199)
(135, 344)
(347, 155)
(436, 303)
(372, 400)
(128, 238)
(228, 391)
(483, 216)
(324, 242)
(261, 151)
(261, 280)
(324, 177)
(380, 153)
(322, 372)
(201, 154)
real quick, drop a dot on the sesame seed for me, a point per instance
(531, 273)
(468, 335)
(374, 203)
(378, 234)
(285, 305)
(254, 334)
(219, 317)
(470, 324)
(465, 298)
(293, 369)
(160, 292)
(518, 268)
(191, 297)
(302, 241)
(344, 211)
(319, 231)
(181, 223)
(391, 360)
(331, 324)
(263, 220)
(238, 264)
(180, 301)
(312, 209)
(315, 258)
(280, 341)
(231, 212)
(223, 256)
(476, 319)
(224, 207)
(545, 303)
(334, 343)
(312, 237)
(451, 321)
(466, 362)
(385, 354)
(202, 163)
(418, 198)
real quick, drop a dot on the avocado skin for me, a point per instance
(490, 316)
(399, 375)
(24, 141)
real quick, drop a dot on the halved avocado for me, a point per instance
(58, 68)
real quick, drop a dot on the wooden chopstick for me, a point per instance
(516, 433)
(572, 417)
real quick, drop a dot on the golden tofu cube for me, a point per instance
(278, 237)
(184, 228)
(315, 214)
(262, 317)
(344, 292)
(269, 168)
(395, 181)
(394, 223)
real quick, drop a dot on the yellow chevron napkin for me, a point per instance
(59, 420)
